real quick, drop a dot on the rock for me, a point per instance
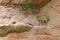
(43, 37)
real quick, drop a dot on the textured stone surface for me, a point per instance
(52, 30)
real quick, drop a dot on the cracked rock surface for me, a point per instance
(50, 32)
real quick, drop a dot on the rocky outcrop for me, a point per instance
(50, 32)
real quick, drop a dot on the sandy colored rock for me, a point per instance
(43, 31)
(20, 1)
(53, 33)
(53, 12)
(43, 37)
(17, 36)
(49, 32)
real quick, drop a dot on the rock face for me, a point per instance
(15, 20)
(50, 32)
(5, 2)
(11, 16)
(20, 1)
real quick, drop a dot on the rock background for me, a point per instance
(52, 30)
